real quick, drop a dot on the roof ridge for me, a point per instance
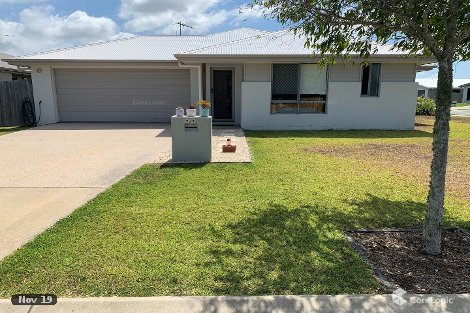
(104, 42)
(231, 42)
(97, 43)
(163, 35)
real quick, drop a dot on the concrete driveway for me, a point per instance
(461, 111)
(48, 171)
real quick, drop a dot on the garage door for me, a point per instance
(97, 95)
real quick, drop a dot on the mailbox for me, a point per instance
(191, 139)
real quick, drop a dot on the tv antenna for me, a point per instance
(181, 25)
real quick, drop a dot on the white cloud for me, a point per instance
(39, 29)
(161, 16)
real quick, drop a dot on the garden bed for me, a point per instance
(399, 261)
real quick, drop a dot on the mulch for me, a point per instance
(398, 258)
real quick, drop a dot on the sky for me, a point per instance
(28, 26)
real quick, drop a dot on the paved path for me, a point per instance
(219, 138)
(46, 172)
(265, 304)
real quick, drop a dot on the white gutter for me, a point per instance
(199, 80)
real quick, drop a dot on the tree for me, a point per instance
(439, 28)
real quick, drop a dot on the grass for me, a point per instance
(461, 104)
(8, 130)
(271, 227)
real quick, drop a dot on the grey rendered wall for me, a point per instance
(257, 72)
(345, 73)
(191, 139)
(346, 108)
(5, 76)
(398, 72)
(195, 94)
(390, 72)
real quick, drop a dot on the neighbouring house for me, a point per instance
(465, 92)
(427, 87)
(10, 72)
(255, 79)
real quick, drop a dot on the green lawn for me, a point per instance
(462, 104)
(8, 130)
(271, 227)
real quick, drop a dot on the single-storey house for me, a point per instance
(465, 92)
(255, 79)
(10, 72)
(427, 88)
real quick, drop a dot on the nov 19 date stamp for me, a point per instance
(34, 299)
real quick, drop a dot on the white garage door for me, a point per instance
(98, 95)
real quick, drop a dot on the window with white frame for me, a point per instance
(298, 88)
(370, 80)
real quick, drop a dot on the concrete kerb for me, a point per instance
(256, 304)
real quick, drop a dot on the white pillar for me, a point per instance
(44, 92)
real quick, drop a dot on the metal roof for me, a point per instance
(244, 41)
(280, 43)
(142, 48)
(5, 65)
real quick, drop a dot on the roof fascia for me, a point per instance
(297, 58)
(103, 63)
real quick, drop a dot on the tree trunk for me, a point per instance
(432, 229)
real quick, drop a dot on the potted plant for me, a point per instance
(179, 112)
(191, 111)
(204, 107)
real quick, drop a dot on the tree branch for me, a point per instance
(450, 42)
(426, 12)
(331, 15)
(390, 7)
(462, 36)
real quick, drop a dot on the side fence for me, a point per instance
(13, 111)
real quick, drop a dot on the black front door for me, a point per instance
(222, 95)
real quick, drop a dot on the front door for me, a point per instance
(222, 95)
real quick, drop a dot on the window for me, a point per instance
(468, 93)
(298, 89)
(370, 80)
(421, 93)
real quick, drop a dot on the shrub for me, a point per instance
(425, 106)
